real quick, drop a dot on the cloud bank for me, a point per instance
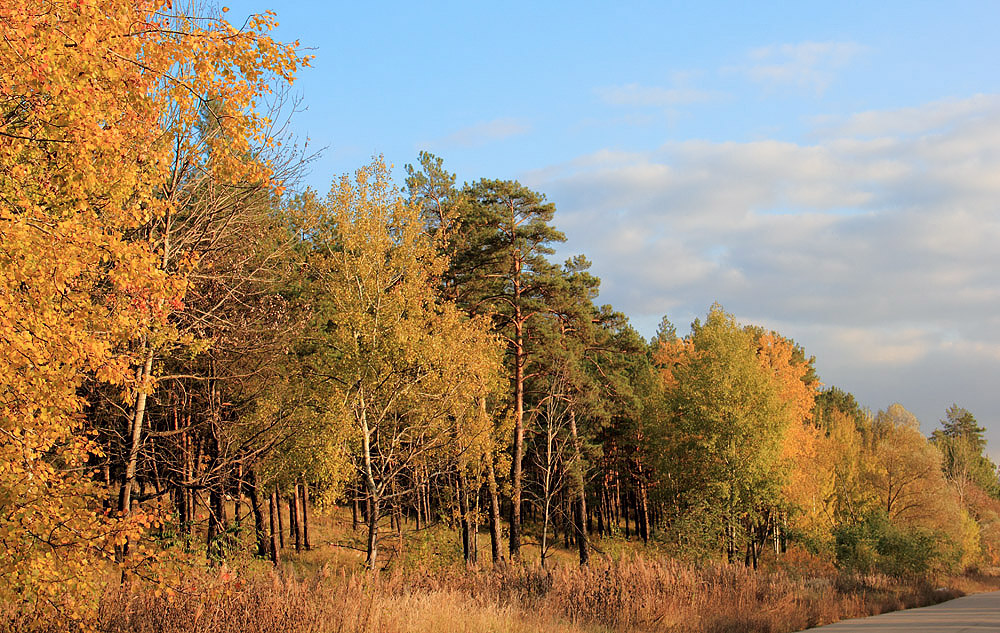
(876, 245)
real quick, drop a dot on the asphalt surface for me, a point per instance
(979, 612)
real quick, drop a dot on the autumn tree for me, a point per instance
(401, 367)
(827, 486)
(732, 395)
(906, 476)
(915, 522)
(87, 89)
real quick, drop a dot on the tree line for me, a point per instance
(186, 334)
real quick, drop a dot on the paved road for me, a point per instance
(979, 612)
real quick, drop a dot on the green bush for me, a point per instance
(876, 545)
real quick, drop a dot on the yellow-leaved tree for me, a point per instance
(95, 96)
(404, 370)
(908, 483)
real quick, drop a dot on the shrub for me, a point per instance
(875, 545)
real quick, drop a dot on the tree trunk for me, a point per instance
(463, 510)
(215, 540)
(180, 501)
(545, 527)
(304, 498)
(355, 493)
(580, 505)
(188, 468)
(397, 509)
(475, 524)
(216, 501)
(275, 515)
(517, 449)
(624, 509)
(373, 492)
(258, 516)
(294, 518)
(238, 497)
(616, 505)
(281, 522)
(137, 418)
(427, 498)
(600, 516)
(566, 522)
(603, 525)
(372, 553)
(491, 486)
(418, 506)
(642, 512)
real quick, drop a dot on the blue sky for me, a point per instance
(831, 171)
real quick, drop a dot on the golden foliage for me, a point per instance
(86, 90)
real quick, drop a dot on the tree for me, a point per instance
(963, 446)
(959, 423)
(915, 520)
(500, 270)
(906, 477)
(833, 401)
(84, 161)
(732, 394)
(399, 367)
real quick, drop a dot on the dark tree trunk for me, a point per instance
(475, 524)
(600, 519)
(642, 512)
(281, 521)
(354, 508)
(294, 518)
(624, 510)
(491, 485)
(258, 515)
(181, 501)
(304, 499)
(216, 500)
(373, 516)
(580, 494)
(463, 511)
(417, 504)
(217, 522)
(565, 519)
(238, 497)
(275, 514)
(602, 509)
(428, 513)
(135, 419)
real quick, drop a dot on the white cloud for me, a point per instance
(886, 347)
(916, 120)
(874, 248)
(482, 133)
(806, 65)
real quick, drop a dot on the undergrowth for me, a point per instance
(636, 594)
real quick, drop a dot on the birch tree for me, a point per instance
(400, 366)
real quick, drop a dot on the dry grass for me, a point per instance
(670, 596)
(324, 591)
(635, 595)
(342, 603)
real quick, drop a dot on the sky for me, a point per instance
(828, 170)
